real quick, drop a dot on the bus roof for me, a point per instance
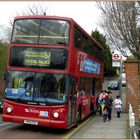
(60, 18)
(43, 16)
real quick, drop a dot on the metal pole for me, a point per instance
(120, 80)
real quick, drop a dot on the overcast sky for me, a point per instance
(86, 14)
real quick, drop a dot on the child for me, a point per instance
(118, 105)
(105, 114)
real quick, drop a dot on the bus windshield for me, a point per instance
(41, 31)
(36, 88)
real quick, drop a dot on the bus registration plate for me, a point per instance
(31, 122)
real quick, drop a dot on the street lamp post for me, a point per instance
(117, 62)
(120, 79)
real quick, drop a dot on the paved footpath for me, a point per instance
(96, 128)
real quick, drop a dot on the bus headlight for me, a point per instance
(55, 114)
(9, 109)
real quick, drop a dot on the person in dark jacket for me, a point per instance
(109, 104)
(98, 107)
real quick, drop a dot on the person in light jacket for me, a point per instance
(118, 105)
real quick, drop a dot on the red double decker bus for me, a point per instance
(53, 68)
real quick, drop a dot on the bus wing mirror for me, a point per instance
(5, 75)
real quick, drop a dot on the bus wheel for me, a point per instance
(92, 111)
(78, 117)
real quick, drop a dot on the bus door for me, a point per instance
(72, 103)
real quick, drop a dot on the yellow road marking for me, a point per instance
(74, 130)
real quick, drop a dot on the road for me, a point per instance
(19, 131)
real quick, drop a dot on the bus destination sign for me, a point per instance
(34, 58)
(37, 57)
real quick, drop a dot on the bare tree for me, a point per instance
(39, 9)
(35, 9)
(121, 21)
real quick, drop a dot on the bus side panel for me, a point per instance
(83, 101)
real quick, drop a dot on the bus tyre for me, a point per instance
(92, 109)
(78, 117)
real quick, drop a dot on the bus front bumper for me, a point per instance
(35, 121)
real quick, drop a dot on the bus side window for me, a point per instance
(77, 38)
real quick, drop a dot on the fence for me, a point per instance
(133, 128)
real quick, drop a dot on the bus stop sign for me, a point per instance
(116, 57)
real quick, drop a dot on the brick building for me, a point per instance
(132, 87)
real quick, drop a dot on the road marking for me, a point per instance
(76, 129)
(4, 124)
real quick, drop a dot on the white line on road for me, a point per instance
(4, 124)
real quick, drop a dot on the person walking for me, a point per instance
(98, 107)
(105, 114)
(101, 100)
(118, 105)
(109, 104)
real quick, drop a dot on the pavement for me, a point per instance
(96, 128)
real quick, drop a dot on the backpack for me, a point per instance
(108, 102)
